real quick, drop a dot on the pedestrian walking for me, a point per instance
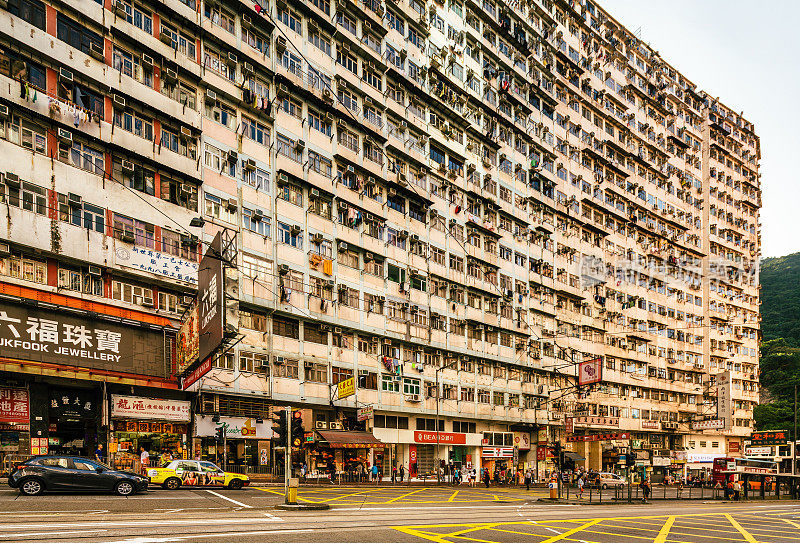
(472, 476)
(144, 458)
(402, 472)
(486, 477)
(580, 487)
(737, 490)
(645, 489)
(528, 480)
(394, 474)
(375, 473)
(100, 454)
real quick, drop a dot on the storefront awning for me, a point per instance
(574, 456)
(350, 440)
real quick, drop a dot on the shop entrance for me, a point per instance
(78, 438)
(73, 421)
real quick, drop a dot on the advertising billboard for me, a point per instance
(188, 340)
(590, 371)
(210, 295)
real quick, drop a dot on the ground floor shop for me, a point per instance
(345, 456)
(243, 444)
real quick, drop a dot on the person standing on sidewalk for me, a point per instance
(375, 473)
(737, 490)
(580, 486)
(528, 480)
(486, 477)
(402, 472)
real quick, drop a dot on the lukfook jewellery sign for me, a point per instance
(55, 337)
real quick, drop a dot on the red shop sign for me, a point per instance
(445, 438)
(14, 405)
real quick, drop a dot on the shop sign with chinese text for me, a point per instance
(445, 438)
(772, 437)
(713, 424)
(611, 422)
(346, 388)
(14, 405)
(73, 404)
(157, 263)
(132, 407)
(42, 335)
(599, 437)
(365, 413)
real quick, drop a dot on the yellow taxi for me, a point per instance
(195, 473)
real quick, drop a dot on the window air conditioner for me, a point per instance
(320, 425)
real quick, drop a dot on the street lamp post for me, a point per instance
(438, 474)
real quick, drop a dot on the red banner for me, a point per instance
(196, 373)
(445, 438)
(600, 437)
(14, 405)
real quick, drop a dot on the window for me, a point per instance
(85, 157)
(291, 19)
(429, 424)
(292, 107)
(220, 17)
(291, 193)
(28, 196)
(319, 123)
(253, 321)
(390, 383)
(289, 148)
(220, 112)
(132, 294)
(256, 40)
(411, 386)
(24, 133)
(256, 131)
(290, 235)
(320, 164)
(178, 144)
(463, 427)
(256, 178)
(287, 368)
(255, 222)
(219, 63)
(315, 373)
(25, 268)
(77, 35)
(217, 160)
(31, 11)
(131, 65)
(78, 280)
(134, 123)
(391, 421)
(219, 209)
(285, 327)
(181, 93)
(178, 192)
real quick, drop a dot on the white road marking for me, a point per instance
(240, 504)
(273, 517)
(88, 511)
(29, 534)
(169, 539)
(551, 529)
(134, 523)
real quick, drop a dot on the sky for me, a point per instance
(744, 52)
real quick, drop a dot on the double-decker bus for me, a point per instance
(726, 468)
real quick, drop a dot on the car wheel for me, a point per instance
(31, 487)
(235, 484)
(124, 488)
(173, 483)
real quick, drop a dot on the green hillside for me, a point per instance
(780, 298)
(780, 352)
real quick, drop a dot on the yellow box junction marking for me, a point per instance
(742, 531)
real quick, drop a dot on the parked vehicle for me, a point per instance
(44, 473)
(195, 473)
(610, 480)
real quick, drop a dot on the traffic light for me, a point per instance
(630, 461)
(279, 427)
(297, 428)
(220, 437)
(558, 453)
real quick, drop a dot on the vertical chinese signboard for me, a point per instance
(724, 398)
(14, 406)
(210, 296)
(188, 341)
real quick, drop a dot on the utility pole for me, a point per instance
(287, 459)
(794, 435)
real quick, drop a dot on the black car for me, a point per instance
(74, 473)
